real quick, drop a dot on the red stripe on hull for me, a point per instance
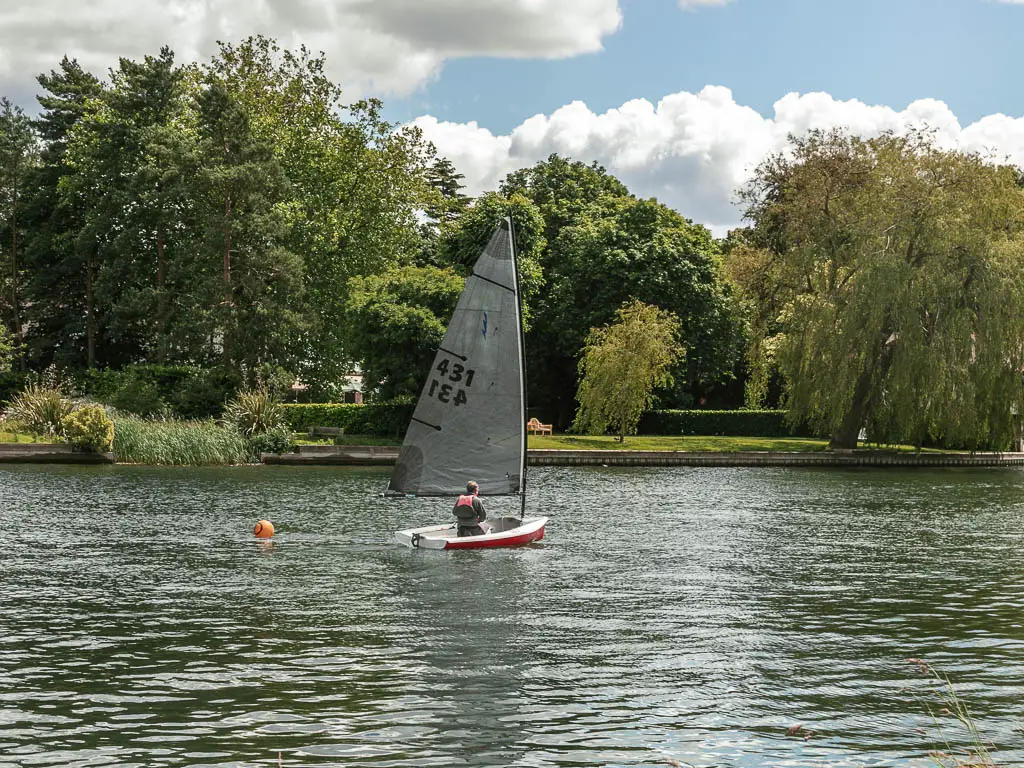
(511, 541)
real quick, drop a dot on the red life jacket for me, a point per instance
(467, 516)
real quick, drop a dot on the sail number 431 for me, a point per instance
(456, 374)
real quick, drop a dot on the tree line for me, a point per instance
(204, 214)
(240, 215)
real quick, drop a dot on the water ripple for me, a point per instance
(686, 613)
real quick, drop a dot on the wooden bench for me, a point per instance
(329, 431)
(534, 427)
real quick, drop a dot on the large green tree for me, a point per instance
(602, 248)
(60, 277)
(243, 205)
(895, 270)
(395, 322)
(19, 151)
(446, 181)
(124, 189)
(564, 191)
(356, 180)
(621, 366)
(649, 252)
(461, 243)
(443, 206)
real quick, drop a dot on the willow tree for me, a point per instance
(622, 364)
(894, 273)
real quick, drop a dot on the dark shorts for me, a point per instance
(471, 530)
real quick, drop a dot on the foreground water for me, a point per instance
(695, 614)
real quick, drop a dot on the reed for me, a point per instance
(180, 443)
(946, 707)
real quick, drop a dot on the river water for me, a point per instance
(685, 614)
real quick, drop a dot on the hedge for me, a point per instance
(375, 419)
(391, 419)
(731, 423)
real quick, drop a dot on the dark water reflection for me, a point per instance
(691, 613)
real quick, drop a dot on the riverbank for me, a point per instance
(386, 455)
(49, 453)
(571, 451)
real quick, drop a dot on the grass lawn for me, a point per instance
(678, 443)
(640, 443)
(697, 443)
(303, 438)
(17, 437)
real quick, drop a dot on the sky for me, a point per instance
(680, 99)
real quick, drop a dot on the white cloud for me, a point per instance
(693, 151)
(373, 46)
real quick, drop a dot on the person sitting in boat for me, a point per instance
(469, 511)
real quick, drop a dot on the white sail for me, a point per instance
(469, 423)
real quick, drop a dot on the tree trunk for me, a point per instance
(161, 299)
(90, 317)
(228, 294)
(845, 435)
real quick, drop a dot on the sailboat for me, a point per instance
(470, 420)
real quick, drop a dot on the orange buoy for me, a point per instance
(264, 529)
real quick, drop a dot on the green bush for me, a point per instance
(90, 429)
(11, 383)
(185, 391)
(41, 409)
(204, 395)
(254, 413)
(387, 419)
(139, 397)
(278, 440)
(729, 423)
(184, 443)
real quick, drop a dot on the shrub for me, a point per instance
(185, 391)
(11, 383)
(40, 409)
(11, 425)
(278, 440)
(186, 443)
(89, 428)
(387, 419)
(255, 413)
(204, 395)
(140, 397)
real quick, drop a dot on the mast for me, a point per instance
(522, 361)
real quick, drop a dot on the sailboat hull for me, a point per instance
(499, 533)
